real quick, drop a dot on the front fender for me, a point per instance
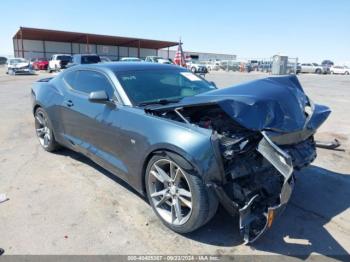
(200, 156)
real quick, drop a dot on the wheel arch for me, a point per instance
(175, 154)
(35, 107)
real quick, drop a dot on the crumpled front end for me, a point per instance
(262, 132)
(260, 181)
(260, 172)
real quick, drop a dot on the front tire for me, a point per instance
(44, 131)
(318, 71)
(178, 197)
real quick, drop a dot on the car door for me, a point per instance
(309, 68)
(92, 128)
(340, 70)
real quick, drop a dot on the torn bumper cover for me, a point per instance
(252, 224)
(258, 214)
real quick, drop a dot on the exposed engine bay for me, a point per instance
(259, 174)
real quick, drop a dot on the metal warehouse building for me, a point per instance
(201, 56)
(34, 43)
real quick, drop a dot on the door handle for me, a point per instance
(69, 103)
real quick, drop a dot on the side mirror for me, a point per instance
(99, 97)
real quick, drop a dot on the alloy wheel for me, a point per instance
(42, 130)
(170, 192)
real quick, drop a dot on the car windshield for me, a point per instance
(150, 86)
(16, 61)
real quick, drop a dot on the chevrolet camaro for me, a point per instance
(183, 143)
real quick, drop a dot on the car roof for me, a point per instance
(16, 58)
(85, 55)
(126, 66)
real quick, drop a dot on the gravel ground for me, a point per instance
(64, 204)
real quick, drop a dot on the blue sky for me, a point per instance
(312, 30)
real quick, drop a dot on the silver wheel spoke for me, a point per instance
(40, 119)
(172, 170)
(159, 193)
(184, 192)
(186, 202)
(48, 135)
(40, 131)
(161, 175)
(162, 200)
(177, 177)
(46, 139)
(177, 208)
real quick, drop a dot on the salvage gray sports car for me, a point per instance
(182, 142)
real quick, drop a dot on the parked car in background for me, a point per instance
(254, 64)
(311, 68)
(105, 59)
(344, 70)
(293, 68)
(158, 59)
(39, 63)
(265, 67)
(3, 60)
(18, 65)
(130, 59)
(83, 59)
(327, 64)
(248, 67)
(197, 67)
(230, 65)
(213, 65)
(165, 61)
(58, 62)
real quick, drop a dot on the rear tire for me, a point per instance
(346, 73)
(196, 205)
(44, 131)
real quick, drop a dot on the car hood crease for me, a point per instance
(273, 103)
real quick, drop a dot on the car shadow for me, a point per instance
(319, 196)
(81, 158)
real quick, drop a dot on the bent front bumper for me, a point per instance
(253, 224)
(258, 214)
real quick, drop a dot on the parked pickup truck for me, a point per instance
(58, 62)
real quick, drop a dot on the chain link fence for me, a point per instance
(263, 65)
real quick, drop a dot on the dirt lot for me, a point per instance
(64, 204)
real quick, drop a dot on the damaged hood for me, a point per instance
(273, 103)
